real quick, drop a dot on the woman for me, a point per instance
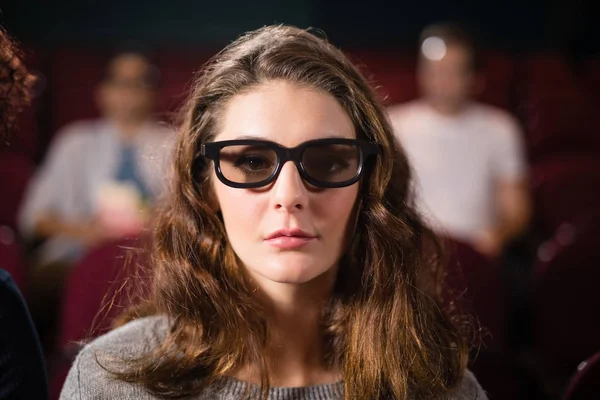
(22, 369)
(301, 279)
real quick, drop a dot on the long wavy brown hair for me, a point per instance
(15, 85)
(383, 326)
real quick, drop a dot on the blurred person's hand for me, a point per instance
(489, 243)
(120, 223)
(121, 210)
(92, 233)
(89, 232)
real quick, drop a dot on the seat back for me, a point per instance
(566, 301)
(559, 112)
(478, 282)
(564, 188)
(17, 169)
(101, 286)
(98, 289)
(585, 384)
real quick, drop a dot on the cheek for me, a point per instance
(336, 208)
(240, 209)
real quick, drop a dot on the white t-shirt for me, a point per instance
(457, 162)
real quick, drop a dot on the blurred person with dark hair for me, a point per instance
(22, 371)
(468, 157)
(98, 174)
(97, 183)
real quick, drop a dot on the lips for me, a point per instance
(289, 233)
(289, 239)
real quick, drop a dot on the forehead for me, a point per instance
(128, 65)
(284, 113)
(454, 54)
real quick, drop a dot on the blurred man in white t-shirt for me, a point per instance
(467, 157)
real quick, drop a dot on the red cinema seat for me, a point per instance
(73, 76)
(585, 384)
(177, 70)
(565, 187)
(16, 170)
(560, 114)
(392, 73)
(479, 284)
(499, 71)
(565, 304)
(100, 287)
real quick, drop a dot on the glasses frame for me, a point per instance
(284, 154)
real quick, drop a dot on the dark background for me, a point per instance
(516, 25)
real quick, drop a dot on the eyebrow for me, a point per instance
(249, 137)
(252, 137)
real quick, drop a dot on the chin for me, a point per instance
(292, 269)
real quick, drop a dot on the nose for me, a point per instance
(289, 192)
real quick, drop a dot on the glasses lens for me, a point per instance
(247, 163)
(331, 163)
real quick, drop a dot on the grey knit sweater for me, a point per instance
(87, 380)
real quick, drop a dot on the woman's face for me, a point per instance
(286, 232)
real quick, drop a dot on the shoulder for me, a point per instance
(8, 291)
(128, 341)
(133, 338)
(12, 304)
(500, 119)
(406, 110)
(89, 377)
(76, 134)
(159, 139)
(159, 131)
(5, 278)
(405, 116)
(467, 389)
(21, 362)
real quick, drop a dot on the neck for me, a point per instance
(295, 353)
(448, 109)
(128, 129)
